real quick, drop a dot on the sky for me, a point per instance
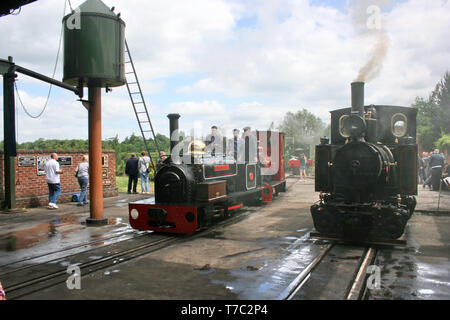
(235, 63)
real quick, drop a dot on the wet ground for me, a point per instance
(254, 258)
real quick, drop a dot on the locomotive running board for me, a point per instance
(335, 237)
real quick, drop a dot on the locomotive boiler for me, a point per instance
(193, 188)
(367, 173)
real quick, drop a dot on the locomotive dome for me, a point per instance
(197, 147)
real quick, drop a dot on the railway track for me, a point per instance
(356, 288)
(123, 237)
(18, 289)
(15, 290)
(36, 277)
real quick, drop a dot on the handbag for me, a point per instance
(76, 174)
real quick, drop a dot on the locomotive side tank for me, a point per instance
(367, 173)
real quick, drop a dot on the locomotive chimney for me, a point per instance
(358, 98)
(174, 134)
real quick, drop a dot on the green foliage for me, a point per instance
(443, 143)
(53, 144)
(433, 116)
(305, 129)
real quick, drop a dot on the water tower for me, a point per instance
(94, 51)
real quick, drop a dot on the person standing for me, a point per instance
(132, 170)
(144, 170)
(236, 146)
(214, 141)
(160, 162)
(437, 162)
(420, 170)
(52, 172)
(303, 161)
(83, 180)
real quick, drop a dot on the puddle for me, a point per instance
(266, 278)
(58, 237)
(413, 275)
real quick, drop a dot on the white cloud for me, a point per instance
(293, 55)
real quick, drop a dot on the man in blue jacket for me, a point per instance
(132, 170)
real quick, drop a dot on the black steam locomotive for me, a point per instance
(367, 174)
(192, 188)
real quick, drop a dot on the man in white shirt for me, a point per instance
(52, 172)
(144, 163)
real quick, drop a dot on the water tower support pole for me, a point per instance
(9, 129)
(95, 158)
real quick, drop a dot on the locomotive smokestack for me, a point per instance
(358, 98)
(174, 134)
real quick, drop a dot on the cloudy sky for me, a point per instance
(236, 63)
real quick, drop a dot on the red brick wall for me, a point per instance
(32, 189)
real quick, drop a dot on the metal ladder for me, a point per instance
(139, 106)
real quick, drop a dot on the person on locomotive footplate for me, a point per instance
(162, 157)
(235, 146)
(214, 141)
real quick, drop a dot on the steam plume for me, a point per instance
(368, 23)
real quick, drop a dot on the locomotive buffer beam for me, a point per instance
(375, 242)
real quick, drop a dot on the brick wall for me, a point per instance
(31, 188)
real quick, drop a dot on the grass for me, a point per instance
(122, 184)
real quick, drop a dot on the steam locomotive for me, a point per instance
(367, 174)
(192, 189)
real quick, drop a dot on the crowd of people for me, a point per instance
(233, 147)
(432, 170)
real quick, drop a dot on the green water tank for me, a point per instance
(94, 46)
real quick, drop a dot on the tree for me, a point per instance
(444, 142)
(304, 127)
(433, 116)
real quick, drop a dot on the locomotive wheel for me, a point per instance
(205, 216)
(324, 220)
(255, 201)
